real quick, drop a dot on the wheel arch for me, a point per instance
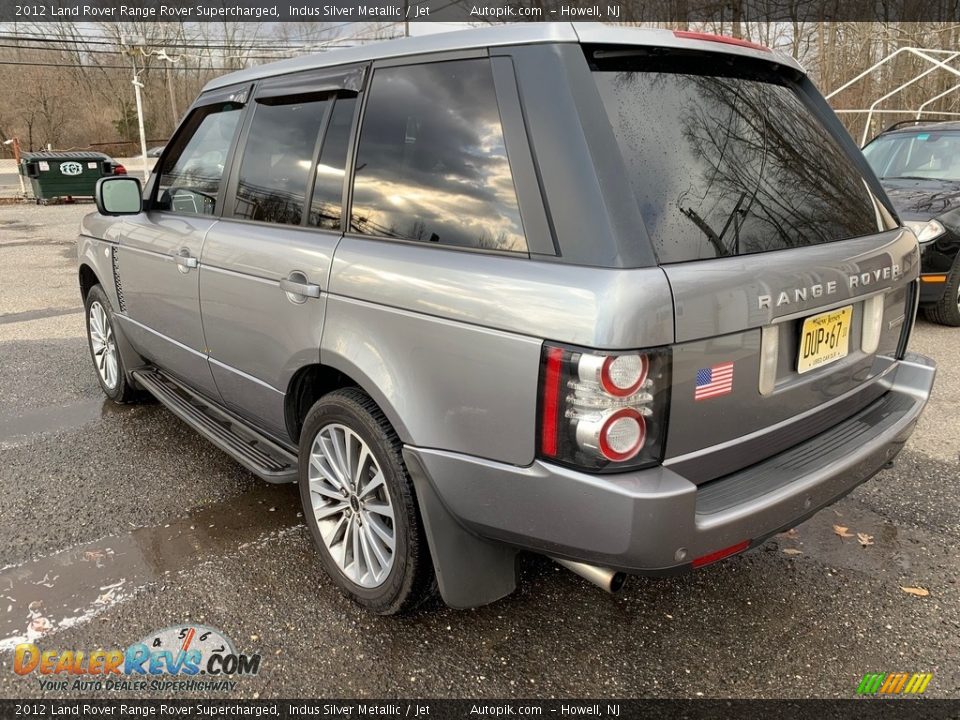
(88, 279)
(312, 382)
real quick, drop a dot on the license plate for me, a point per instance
(824, 339)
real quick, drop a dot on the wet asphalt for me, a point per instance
(117, 521)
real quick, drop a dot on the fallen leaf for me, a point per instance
(842, 531)
(791, 534)
(792, 551)
(865, 539)
(918, 591)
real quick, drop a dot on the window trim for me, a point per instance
(424, 59)
(348, 160)
(238, 94)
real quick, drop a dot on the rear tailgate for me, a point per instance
(792, 284)
(725, 307)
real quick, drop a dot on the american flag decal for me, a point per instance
(714, 381)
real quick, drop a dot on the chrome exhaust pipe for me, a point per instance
(610, 580)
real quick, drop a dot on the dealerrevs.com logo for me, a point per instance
(180, 658)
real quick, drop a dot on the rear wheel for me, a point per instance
(947, 310)
(102, 341)
(359, 504)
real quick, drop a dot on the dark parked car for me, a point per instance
(919, 167)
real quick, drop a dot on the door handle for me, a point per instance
(297, 285)
(185, 260)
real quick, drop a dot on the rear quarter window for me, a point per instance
(726, 165)
(432, 163)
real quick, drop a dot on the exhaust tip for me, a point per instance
(610, 580)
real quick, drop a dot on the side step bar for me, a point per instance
(247, 446)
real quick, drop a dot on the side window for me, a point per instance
(193, 169)
(326, 204)
(431, 164)
(277, 159)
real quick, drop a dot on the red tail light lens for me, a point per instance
(603, 411)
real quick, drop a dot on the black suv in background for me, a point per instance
(918, 164)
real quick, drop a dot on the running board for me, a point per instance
(247, 446)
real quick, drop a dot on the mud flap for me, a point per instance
(131, 358)
(470, 571)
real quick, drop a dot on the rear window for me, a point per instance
(726, 165)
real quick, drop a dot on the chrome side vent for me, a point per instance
(116, 279)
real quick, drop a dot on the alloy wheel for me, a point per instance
(351, 505)
(103, 345)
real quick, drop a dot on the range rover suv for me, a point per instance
(631, 299)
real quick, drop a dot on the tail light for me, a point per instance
(119, 169)
(603, 411)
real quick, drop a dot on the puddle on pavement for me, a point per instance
(56, 418)
(874, 545)
(37, 314)
(75, 585)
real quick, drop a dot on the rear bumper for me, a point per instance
(655, 521)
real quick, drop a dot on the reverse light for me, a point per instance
(926, 231)
(602, 411)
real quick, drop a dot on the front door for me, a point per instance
(158, 260)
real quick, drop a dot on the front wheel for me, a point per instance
(102, 341)
(359, 504)
(947, 310)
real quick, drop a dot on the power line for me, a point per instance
(29, 36)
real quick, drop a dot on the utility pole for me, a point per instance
(406, 20)
(173, 100)
(136, 91)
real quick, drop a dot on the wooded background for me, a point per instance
(69, 85)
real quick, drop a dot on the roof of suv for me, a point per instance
(515, 34)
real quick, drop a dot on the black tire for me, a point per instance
(947, 310)
(121, 392)
(410, 581)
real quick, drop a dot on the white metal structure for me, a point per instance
(930, 56)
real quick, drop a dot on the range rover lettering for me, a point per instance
(630, 299)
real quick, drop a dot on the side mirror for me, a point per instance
(119, 195)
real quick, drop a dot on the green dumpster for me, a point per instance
(65, 174)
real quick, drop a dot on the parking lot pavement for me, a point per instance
(117, 521)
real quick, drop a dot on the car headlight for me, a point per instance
(926, 231)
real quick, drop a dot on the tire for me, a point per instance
(947, 310)
(101, 340)
(353, 522)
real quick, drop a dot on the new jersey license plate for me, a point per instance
(824, 339)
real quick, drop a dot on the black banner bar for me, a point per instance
(789, 11)
(872, 709)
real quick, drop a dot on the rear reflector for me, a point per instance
(709, 37)
(933, 278)
(720, 554)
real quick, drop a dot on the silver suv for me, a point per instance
(631, 299)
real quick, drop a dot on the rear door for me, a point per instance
(791, 283)
(263, 282)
